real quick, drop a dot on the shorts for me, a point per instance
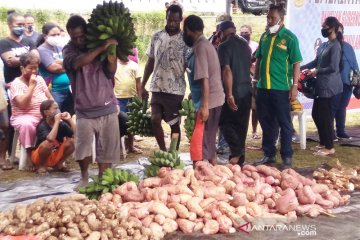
(168, 105)
(107, 138)
(210, 131)
(123, 102)
(53, 159)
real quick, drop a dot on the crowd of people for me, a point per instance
(61, 96)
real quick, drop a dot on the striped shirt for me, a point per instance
(19, 88)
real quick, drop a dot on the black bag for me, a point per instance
(307, 85)
(355, 78)
(356, 92)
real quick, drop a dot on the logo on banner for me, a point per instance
(299, 3)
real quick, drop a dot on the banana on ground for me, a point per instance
(110, 179)
(161, 158)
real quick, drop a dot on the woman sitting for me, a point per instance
(27, 93)
(55, 141)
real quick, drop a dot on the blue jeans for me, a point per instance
(65, 100)
(338, 107)
(273, 109)
(123, 102)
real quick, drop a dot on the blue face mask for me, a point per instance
(18, 31)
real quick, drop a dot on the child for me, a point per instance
(54, 138)
(127, 85)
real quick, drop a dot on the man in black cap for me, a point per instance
(235, 60)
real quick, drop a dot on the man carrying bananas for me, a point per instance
(166, 63)
(95, 103)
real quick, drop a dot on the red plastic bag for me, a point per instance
(196, 143)
(20, 238)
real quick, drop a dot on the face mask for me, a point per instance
(275, 28)
(246, 36)
(187, 40)
(57, 111)
(325, 32)
(64, 40)
(54, 41)
(31, 28)
(17, 31)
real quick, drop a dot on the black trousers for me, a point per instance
(322, 116)
(11, 130)
(234, 125)
(273, 111)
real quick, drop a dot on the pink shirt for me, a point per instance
(19, 88)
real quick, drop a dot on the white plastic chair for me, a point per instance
(301, 115)
(23, 155)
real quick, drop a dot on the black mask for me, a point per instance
(188, 41)
(30, 28)
(18, 31)
(246, 36)
(325, 32)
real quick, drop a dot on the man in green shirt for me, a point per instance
(277, 71)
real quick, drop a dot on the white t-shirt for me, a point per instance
(169, 53)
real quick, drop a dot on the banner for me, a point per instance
(304, 18)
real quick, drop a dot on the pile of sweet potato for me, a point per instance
(339, 178)
(73, 217)
(213, 199)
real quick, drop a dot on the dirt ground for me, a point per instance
(302, 158)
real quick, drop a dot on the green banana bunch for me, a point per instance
(111, 20)
(161, 159)
(139, 119)
(188, 111)
(110, 179)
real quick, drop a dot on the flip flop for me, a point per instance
(322, 153)
(42, 171)
(316, 148)
(135, 151)
(6, 167)
(63, 169)
(253, 147)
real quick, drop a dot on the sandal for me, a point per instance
(6, 165)
(135, 150)
(62, 169)
(324, 153)
(41, 171)
(318, 147)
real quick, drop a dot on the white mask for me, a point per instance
(64, 40)
(54, 41)
(275, 28)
